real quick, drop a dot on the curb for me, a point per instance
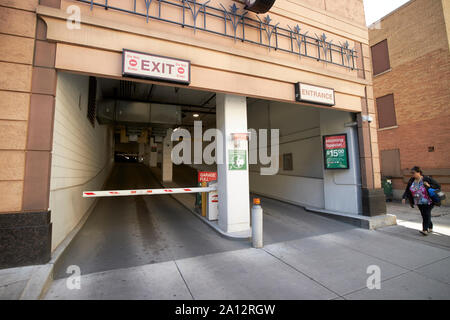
(212, 225)
(41, 280)
(369, 223)
(207, 222)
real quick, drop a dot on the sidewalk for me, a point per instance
(322, 259)
(329, 266)
(327, 260)
(409, 223)
(13, 282)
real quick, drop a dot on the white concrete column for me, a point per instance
(147, 154)
(167, 158)
(141, 152)
(153, 153)
(342, 188)
(233, 185)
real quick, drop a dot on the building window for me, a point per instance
(380, 57)
(386, 111)
(287, 162)
(390, 163)
(92, 100)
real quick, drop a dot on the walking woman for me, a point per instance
(417, 193)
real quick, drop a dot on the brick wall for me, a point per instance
(352, 10)
(420, 82)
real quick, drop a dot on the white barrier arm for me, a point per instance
(141, 192)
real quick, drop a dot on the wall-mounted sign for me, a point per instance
(335, 151)
(240, 136)
(204, 176)
(149, 66)
(240, 140)
(309, 93)
(259, 6)
(237, 159)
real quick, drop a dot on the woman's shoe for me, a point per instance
(424, 232)
(430, 230)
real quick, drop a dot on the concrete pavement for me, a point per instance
(124, 232)
(13, 281)
(154, 248)
(409, 222)
(328, 266)
(305, 257)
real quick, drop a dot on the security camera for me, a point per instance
(367, 118)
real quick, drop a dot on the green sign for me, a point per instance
(237, 159)
(335, 151)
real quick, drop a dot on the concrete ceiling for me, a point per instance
(191, 101)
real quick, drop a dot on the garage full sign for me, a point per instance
(335, 151)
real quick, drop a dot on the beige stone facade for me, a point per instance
(36, 43)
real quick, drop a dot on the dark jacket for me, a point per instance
(408, 195)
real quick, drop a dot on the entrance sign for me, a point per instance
(237, 159)
(204, 176)
(309, 93)
(335, 151)
(149, 66)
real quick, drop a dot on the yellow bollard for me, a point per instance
(204, 184)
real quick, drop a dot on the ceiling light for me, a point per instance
(196, 115)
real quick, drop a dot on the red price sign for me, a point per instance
(204, 176)
(336, 153)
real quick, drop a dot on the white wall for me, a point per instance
(297, 190)
(301, 132)
(299, 135)
(342, 188)
(82, 155)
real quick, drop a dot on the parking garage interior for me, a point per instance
(109, 134)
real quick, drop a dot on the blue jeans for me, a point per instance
(425, 211)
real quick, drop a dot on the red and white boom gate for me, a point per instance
(145, 192)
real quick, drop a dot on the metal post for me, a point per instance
(257, 224)
(204, 199)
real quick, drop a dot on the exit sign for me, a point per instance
(154, 67)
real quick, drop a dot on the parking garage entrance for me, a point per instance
(117, 135)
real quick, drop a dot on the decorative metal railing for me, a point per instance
(238, 26)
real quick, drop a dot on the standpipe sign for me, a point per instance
(335, 151)
(237, 159)
(149, 66)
